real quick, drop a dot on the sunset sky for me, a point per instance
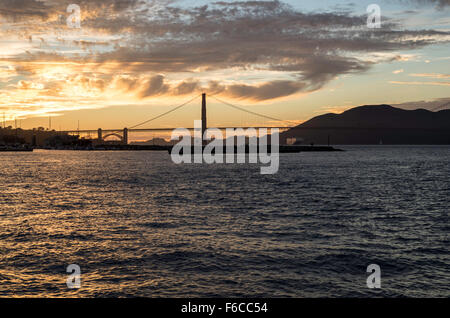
(134, 59)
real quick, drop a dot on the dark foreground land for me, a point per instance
(374, 125)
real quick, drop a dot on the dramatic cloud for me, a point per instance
(158, 85)
(154, 86)
(439, 3)
(23, 9)
(255, 50)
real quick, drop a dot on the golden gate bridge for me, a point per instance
(123, 133)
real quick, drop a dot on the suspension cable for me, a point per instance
(250, 112)
(166, 113)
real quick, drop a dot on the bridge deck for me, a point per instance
(85, 131)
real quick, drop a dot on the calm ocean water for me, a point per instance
(138, 225)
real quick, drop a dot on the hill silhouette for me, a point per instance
(375, 124)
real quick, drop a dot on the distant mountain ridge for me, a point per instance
(375, 124)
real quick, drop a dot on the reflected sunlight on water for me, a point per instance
(139, 225)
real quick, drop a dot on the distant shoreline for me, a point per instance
(282, 149)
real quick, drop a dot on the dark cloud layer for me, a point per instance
(159, 37)
(21, 9)
(439, 3)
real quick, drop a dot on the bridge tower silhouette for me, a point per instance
(204, 119)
